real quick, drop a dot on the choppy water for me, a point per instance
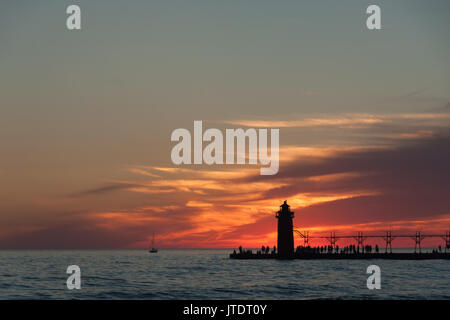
(210, 274)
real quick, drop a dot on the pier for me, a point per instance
(358, 250)
(339, 256)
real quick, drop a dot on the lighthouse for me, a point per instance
(285, 231)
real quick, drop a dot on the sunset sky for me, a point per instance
(86, 118)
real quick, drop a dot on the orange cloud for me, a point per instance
(367, 187)
(348, 121)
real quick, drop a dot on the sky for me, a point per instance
(86, 119)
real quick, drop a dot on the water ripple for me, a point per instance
(209, 274)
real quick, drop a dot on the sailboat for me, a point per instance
(153, 249)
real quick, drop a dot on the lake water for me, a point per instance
(210, 274)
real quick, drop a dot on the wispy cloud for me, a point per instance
(400, 181)
(104, 189)
(346, 121)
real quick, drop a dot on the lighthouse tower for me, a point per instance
(285, 231)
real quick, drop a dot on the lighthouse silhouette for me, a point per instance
(285, 231)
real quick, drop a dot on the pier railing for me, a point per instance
(387, 237)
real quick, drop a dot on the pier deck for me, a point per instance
(346, 256)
